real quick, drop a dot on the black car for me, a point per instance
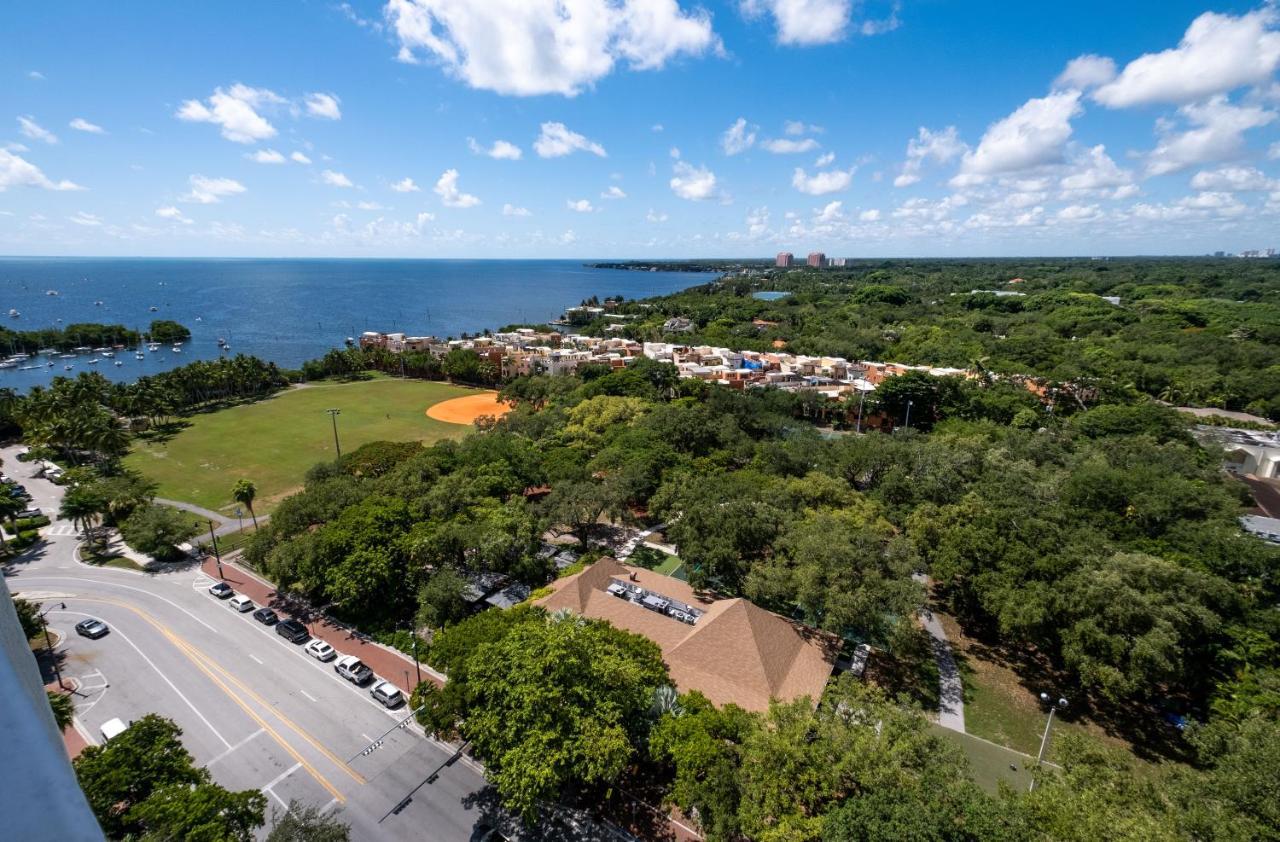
(91, 628)
(265, 616)
(293, 631)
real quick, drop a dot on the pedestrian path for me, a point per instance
(950, 686)
(229, 523)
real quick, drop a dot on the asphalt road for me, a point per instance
(253, 708)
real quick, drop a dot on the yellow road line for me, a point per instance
(200, 659)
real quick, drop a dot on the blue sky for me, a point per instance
(639, 128)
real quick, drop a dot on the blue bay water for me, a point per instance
(289, 311)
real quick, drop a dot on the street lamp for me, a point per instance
(53, 656)
(334, 413)
(213, 539)
(862, 397)
(240, 517)
(1054, 707)
(907, 426)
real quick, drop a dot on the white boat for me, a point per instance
(7, 364)
(19, 357)
(93, 362)
(176, 349)
(29, 367)
(153, 309)
(66, 356)
(81, 349)
(139, 356)
(67, 367)
(108, 353)
(14, 313)
(119, 363)
(47, 351)
(51, 292)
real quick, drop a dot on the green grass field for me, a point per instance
(274, 442)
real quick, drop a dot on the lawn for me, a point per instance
(274, 442)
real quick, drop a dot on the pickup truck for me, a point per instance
(352, 669)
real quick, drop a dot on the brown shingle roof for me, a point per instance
(736, 652)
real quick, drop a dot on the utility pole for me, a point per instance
(1061, 704)
(862, 397)
(333, 414)
(213, 539)
(907, 426)
(416, 667)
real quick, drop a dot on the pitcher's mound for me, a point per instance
(466, 410)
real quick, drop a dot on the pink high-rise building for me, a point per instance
(785, 259)
(817, 259)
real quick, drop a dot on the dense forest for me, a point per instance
(1204, 332)
(90, 335)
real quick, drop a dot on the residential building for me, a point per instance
(730, 650)
(1248, 452)
(785, 260)
(677, 324)
(816, 259)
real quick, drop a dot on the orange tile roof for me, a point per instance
(736, 652)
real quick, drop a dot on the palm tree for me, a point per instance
(81, 508)
(244, 492)
(64, 708)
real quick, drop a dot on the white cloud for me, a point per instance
(324, 106)
(234, 111)
(787, 146)
(209, 191)
(830, 213)
(30, 128)
(18, 172)
(614, 192)
(1085, 72)
(265, 156)
(513, 210)
(738, 138)
(579, 205)
(804, 21)
(1217, 54)
(171, 213)
(87, 219)
(447, 189)
(1218, 135)
(80, 124)
(1080, 213)
(693, 183)
(298, 157)
(871, 215)
(568, 238)
(405, 185)
(369, 206)
(36, 75)
(1031, 136)
(656, 127)
(424, 217)
(939, 147)
(1274, 152)
(532, 47)
(655, 216)
(1096, 171)
(556, 140)
(821, 183)
(1233, 179)
(501, 149)
(335, 179)
(674, 152)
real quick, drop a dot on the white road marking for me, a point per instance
(326, 808)
(278, 799)
(256, 658)
(238, 745)
(308, 695)
(126, 587)
(280, 777)
(159, 672)
(367, 738)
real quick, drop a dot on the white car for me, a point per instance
(113, 728)
(320, 650)
(241, 603)
(353, 669)
(387, 693)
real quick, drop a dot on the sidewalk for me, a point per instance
(387, 663)
(72, 736)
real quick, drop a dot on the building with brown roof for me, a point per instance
(730, 650)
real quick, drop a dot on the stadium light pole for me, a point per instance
(333, 414)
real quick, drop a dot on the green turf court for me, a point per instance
(273, 442)
(992, 764)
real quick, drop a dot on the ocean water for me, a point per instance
(289, 311)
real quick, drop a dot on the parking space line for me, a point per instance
(278, 799)
(326, 808)
(256, 658)
(280, 777)
(235, 747)
(152, 663)
(308, 695)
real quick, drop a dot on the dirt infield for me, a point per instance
(467, 409)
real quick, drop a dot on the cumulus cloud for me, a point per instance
(789, 146)
(1080, 213)
(235, 112)
(655, 216)
(1085, 72)
(825, 159)
(30, 128)
(1217, 134)
(450, 196)
(579, 205)
(18, 172)
(738, 138)
(821, 183)
(501, 149)
(1032, 136)
(80, 124)
(1217, 54)
(532, 47)
(614, 192)
(87, 219)
(265, 156)
(556, 140)
(324, 106)
(210, 191)
(299, 158)
(405, 185)
(335, 179)
(693, 183)
(830, 213)
(1095, 170)
(940, 147)
(869, 215)
(173, 214)
(1233, 180)
(513, 210)
(804, 21)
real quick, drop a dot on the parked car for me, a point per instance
(31, 512)
(266, 616)
(387, 693)
(221, 590)
(241, 603)
(353, 669)
(292, 631)
(321, 651)
(113, 728)
(91, 628)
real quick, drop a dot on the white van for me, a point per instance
(241, 603)
(113, 728)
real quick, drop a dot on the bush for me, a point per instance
(157, 531)
(30, 523)
(24, 539)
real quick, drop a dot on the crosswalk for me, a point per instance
(60, 528)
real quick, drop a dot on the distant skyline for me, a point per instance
(639, 128)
